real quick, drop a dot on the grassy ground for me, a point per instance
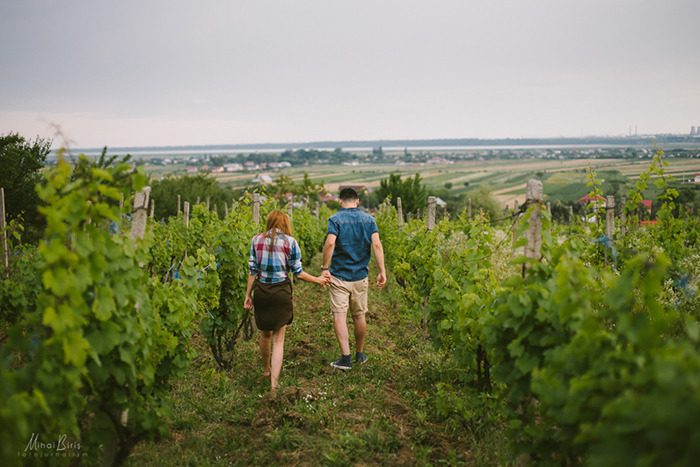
(390, 411)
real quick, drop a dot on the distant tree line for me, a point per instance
(22, 161)
(294, 157)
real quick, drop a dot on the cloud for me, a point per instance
(215, 71)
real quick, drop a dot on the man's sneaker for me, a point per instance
(360, 358)
(343, 363)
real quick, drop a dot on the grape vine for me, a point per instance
(597, 361)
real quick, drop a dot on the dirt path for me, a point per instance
(378, 414)
(382, 397)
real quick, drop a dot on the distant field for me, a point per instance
(563, 179)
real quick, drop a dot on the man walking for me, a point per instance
(352, 236)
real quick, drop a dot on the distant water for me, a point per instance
(208, 150)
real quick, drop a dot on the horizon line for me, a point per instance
(394, 142)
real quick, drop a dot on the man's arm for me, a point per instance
(379, 256)
(328, 249)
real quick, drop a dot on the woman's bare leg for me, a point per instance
(265, 339)
(277, 356)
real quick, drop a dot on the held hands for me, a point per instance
(324, 279)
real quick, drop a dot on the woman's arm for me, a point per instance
(309, 278)
(294, 262)
(248, 303)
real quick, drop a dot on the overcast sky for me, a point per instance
(185, 72)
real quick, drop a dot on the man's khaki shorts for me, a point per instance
(349, 296)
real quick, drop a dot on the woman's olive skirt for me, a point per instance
(273, 305)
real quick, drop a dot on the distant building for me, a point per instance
(325, 199)
(588, 199)
(697, 178)
(191, 170)
(439, 160)
(262, 179)
(233, 167)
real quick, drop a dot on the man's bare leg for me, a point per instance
(360, 325)
(341, 331)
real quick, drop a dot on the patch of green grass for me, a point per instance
(386, 412)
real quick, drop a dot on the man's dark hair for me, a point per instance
(348, 194)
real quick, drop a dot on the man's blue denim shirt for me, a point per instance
(353, 246)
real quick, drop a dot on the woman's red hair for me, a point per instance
(277, 220)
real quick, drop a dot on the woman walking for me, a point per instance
(273, 254)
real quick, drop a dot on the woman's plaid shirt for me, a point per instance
(273, 266)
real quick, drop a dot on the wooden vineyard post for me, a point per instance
(139, 217)
(623, 217)
(534, 232)
(317, 211)
(5, 252)
(399, 213)
(207, 204)
(140, 214)
(431, 213)
(153, 207)
(197, 203)
(516, 216)
(571, 215)
(121, 202)
(532, 251)
(178, 204)
(226, 209)
(290, 209)
(609, 223)
(256, 208)
(610, 217)
(187, 219)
